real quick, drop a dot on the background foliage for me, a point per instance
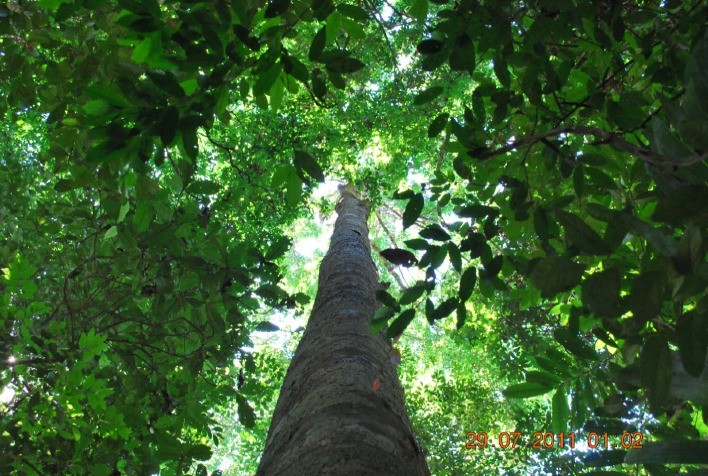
(543, 161)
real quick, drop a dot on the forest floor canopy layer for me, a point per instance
(536, 170)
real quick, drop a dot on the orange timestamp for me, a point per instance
(479, 440)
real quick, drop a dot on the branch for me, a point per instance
(614, 140)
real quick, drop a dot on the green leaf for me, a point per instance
(419, 10)
(655, 371)
(681, 451)
(427, 95)
(543, 377)
(190, 143)
(278, 248)
(400, 323)
(142, 50)
(561, 411)
(600, 293)
(412, 294)
(111, 95)
(266, 79)
(581, 235)
(433, 257)
(305, 161)
(319, 41)
(203, 187)
(293, 190)
(96, 107)
(434, 232)
(417, 244)
(124, 209)
(353, 29)
(413, 210)
(380, 318)
(354, 12)
(64, 185)
(111, 233)
(143, 216)
(526, 390)
(555, 274)
(332, 27)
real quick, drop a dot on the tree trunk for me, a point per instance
(340, 410)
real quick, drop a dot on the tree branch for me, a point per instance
(614, 140)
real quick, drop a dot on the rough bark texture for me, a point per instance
(332, 417)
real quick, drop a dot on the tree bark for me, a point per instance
(341, 410)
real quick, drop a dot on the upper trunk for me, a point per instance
(341, 410)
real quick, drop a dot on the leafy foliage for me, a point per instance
(546, 161)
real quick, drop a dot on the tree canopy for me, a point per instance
(544, 162)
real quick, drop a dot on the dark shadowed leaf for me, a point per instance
(581, 235)
(427, 95)
(601, 293)
(318, 44)
(434, 232)
(692, 337)
(681, 451)
(344, 65)
(203, 187)
(245, 412)
(575, 344)
(278, 248)
(526, 390)
(429, 47)
(646, 296)
(413, 210)
(386, 299)
(305, 162)
(167, 83)
(400, 323)
(399, 257)
(445, 309)
(655, 370)
(461, 315)
(438, 124)
(596, 459)
(413, 293)
(561, 411)
(555, 274)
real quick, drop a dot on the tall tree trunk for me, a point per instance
(341, 410)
